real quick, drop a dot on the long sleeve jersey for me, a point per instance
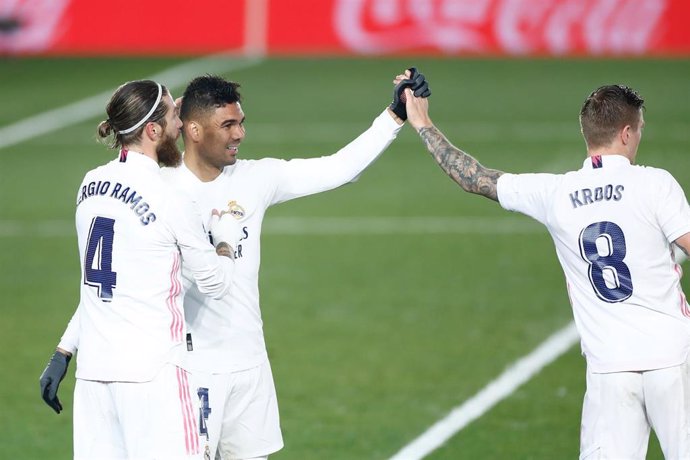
(227, 334)
(135, 232)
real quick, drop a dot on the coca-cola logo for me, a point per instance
(518, 27)
(29, 25)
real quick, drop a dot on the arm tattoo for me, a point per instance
(461, 167)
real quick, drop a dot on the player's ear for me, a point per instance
(153, 130)
(193, 130)
(625, 134)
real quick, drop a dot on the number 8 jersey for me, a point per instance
(613, 225)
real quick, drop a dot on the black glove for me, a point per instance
(51, 377)
(419, 86)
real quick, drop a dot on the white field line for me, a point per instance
(398, 225)
(485, 131)
(85, 109)
(517, 374)
(325, 226)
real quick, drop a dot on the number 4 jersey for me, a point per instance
(613, 224)
(134, 232)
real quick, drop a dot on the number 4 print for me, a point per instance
(602, 245)
(99, 257)
(204, 411)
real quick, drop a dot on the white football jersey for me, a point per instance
(134, 233)
(227, 334)
(613, 224)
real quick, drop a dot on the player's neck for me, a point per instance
(146, 150)
(202, 170)
(613, 149)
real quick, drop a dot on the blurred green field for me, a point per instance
(374, 333)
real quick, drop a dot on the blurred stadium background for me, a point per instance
(387, 303)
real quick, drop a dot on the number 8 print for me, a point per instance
(602, 245)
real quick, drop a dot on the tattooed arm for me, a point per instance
(461, 167)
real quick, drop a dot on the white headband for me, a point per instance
(146, 117)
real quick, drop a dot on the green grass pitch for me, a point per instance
(373, 334)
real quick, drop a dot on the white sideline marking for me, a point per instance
(324, 226)
(310, 131)
(487, 132)
(93, 106)
(397, 225)
(517, 374)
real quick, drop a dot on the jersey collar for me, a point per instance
(188, 172)
(138, 159)
(599, 161)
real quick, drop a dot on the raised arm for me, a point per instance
(300, 177)
(460, 166)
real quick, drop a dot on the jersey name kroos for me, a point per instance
(587, 196)
(119, 192)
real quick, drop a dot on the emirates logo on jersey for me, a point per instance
(235, 210)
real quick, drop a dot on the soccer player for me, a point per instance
(614, 224)
(227, 357)
(135, 231)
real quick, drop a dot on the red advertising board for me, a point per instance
(129, 27)
(495, 27)
(372, 27)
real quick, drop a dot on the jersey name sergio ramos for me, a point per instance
(130, 224)
(227, 334)
(613, 224)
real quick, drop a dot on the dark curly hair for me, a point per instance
(206, 93)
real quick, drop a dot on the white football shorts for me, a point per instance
(620, 408)
(238, 413)
(137, 421)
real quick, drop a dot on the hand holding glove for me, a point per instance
(419, 86)
(226, 232)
